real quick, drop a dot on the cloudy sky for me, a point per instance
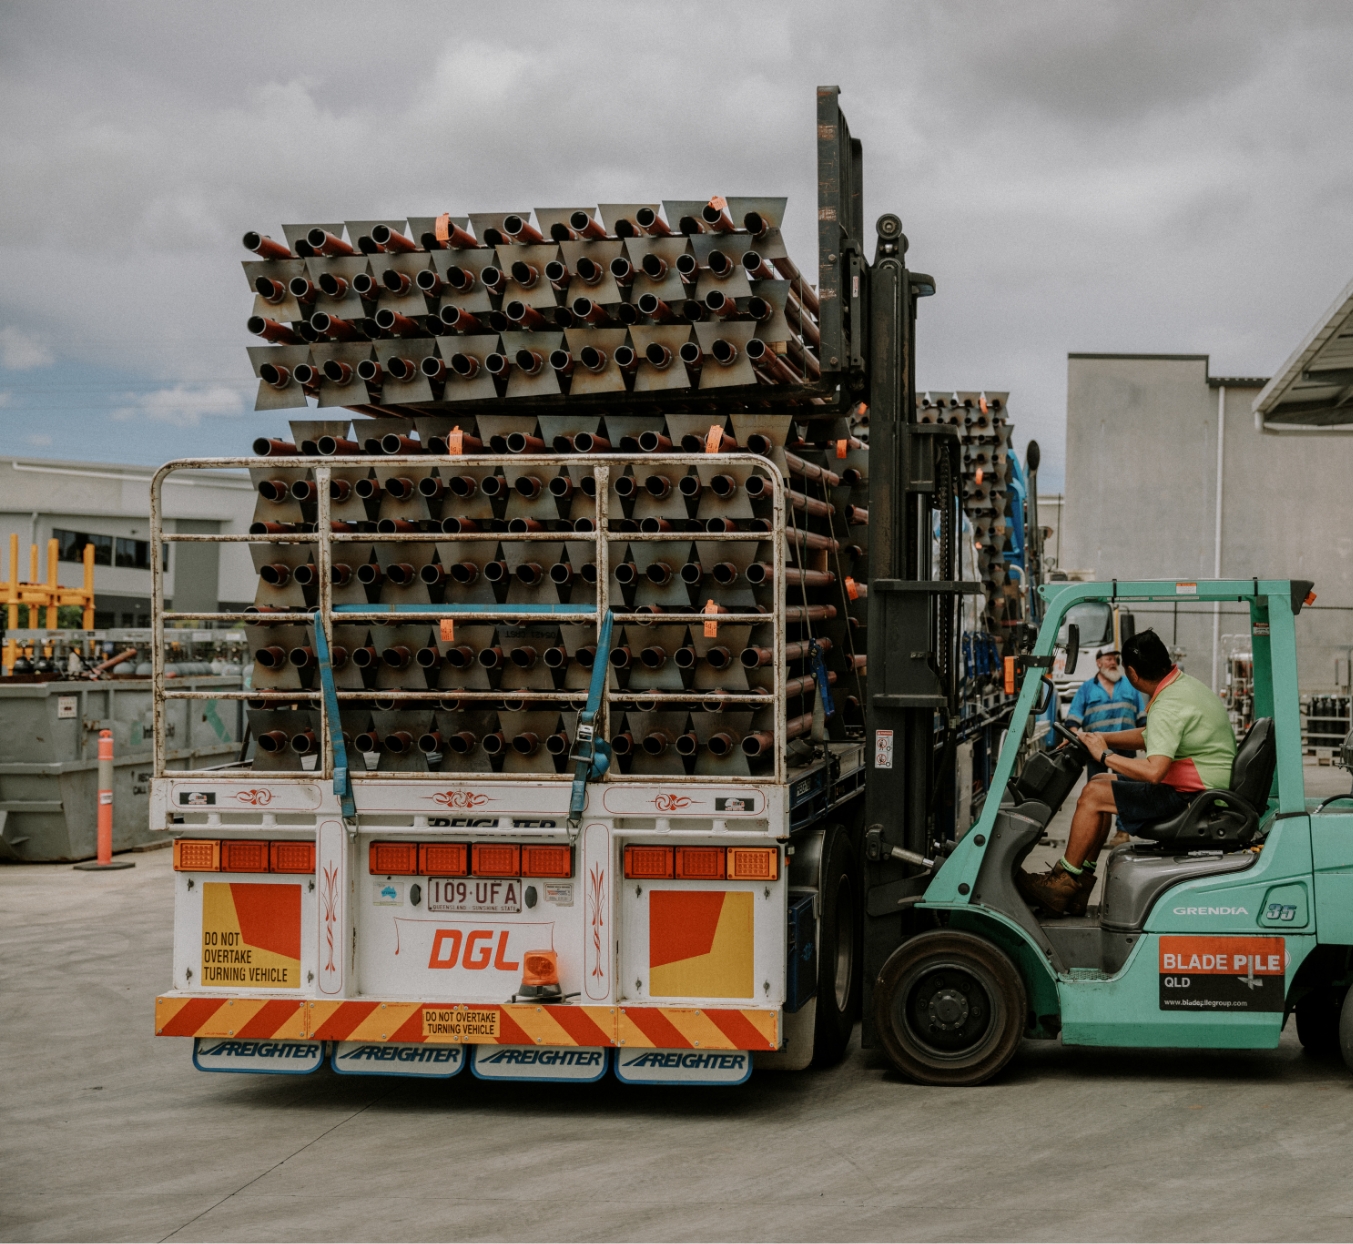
(1156, 177)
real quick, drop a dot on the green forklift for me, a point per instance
(1214, 925)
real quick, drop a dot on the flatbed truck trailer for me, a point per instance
(560, 757)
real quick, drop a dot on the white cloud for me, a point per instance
(38, 440)
(1076, 177)
(181, 406)
(20, 351)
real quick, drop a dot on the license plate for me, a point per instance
(502, 894)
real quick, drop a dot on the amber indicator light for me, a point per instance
(753, 863)
(540, 967)
(197, 855)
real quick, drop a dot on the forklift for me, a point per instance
(1212, 929)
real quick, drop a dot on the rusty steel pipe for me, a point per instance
(389, 321)
(585, 225)
(654, 307)
(651, 223)
(724, 352)
(324, 243)
(459, 319)
(264, 246)
(391, 240)
(266, 447)
(722, 305)
(809, 613)
(274, 374)
(759, 573)
(271, 330)
(270, 290)
(331, 326)
(714, 216)
(521, 231)
(525, 316)
(809, 470)
(803, 360)
(762, 357)
(589, 271)
(799, 686)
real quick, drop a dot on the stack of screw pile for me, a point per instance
(985, 434)
(587, 332)
(406, 318)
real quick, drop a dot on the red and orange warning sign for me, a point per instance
(700, 943)
(251, 935)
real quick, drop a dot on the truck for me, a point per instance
(566, 730)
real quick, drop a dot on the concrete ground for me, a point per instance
(109, 1133)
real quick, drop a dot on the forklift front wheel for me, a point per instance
(949, 1008)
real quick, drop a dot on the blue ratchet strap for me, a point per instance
(342, 782)
(593, 755)
(820, 677)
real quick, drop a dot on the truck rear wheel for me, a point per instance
(838, 964)
(949, 1009)
(1346, 1030)
(1318, 1020)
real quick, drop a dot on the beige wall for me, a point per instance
(1141, 498)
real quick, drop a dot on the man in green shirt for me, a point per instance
(1189, 747)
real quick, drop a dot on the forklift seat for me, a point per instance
(1226, 818)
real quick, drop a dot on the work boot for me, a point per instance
(1054, 891)
(1084, 884)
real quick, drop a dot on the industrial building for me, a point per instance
(107, 505)
(1172, 472)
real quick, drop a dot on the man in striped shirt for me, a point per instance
(1107, 704)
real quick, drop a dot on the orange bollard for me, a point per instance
(105, 797)
(105, 829)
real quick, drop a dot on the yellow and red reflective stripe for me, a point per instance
(649, 1027)
(677, 1028)
(282, 1018)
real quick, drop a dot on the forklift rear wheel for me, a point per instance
(838, 971)
(949, 1008)
(1318, 1020)
(1346, 1030)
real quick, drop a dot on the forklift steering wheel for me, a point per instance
(1076, 744)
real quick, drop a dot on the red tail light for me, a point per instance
(293, 857)
(700, 863)
(244, 855)
(393, 859)
(442, 859)
(654, 863)
(497, 859)
(546, 861)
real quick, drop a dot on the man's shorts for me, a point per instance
(1144, 803)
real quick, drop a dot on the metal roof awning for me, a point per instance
(1313, 390)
